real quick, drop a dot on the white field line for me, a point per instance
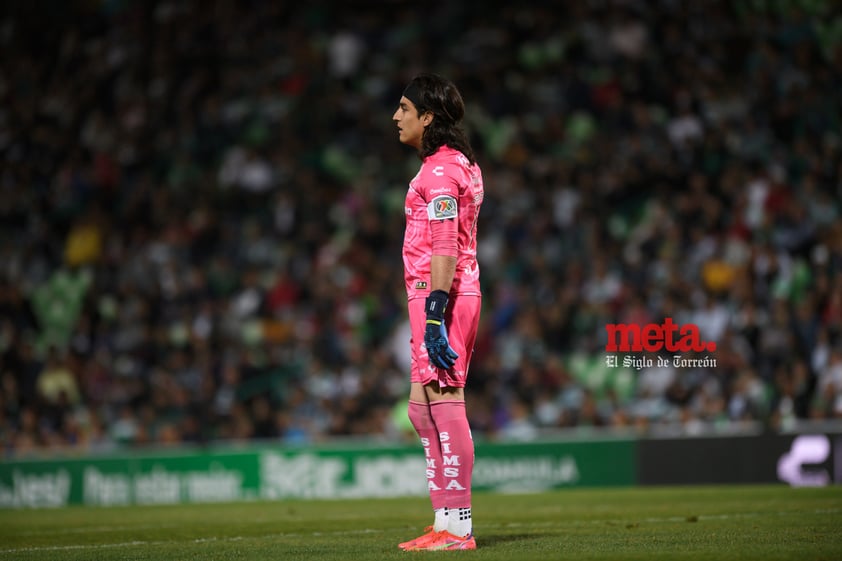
(96, 529)
(136, 543)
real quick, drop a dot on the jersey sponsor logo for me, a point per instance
(421, 285)
(442, 208)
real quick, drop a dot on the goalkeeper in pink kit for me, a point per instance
(444, 299)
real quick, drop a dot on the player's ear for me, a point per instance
(427, 118)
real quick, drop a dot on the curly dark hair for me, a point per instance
(440, 96)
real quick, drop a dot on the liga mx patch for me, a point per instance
(420, 285)
(441, 208)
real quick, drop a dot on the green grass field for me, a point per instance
(717, 523)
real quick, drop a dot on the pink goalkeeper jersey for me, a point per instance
(446, 187)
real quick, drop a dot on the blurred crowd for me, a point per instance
(201, 215)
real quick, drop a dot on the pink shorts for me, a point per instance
(462, 321)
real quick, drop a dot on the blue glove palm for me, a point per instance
(435, 334)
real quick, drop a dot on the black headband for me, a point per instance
(412, 93)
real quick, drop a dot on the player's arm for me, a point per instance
(442, 213)
(444, 233)
(442, 271)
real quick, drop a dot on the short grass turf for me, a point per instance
(677, 523)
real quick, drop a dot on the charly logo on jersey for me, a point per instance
(442, 208)
(438, 170)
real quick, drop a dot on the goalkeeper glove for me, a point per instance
(435, 333)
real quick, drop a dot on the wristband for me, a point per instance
(435, 304)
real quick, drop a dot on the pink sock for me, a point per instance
(457, 450)
(422, 420)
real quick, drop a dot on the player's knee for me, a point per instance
(419, 415)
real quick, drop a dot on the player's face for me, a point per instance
(410, 124)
